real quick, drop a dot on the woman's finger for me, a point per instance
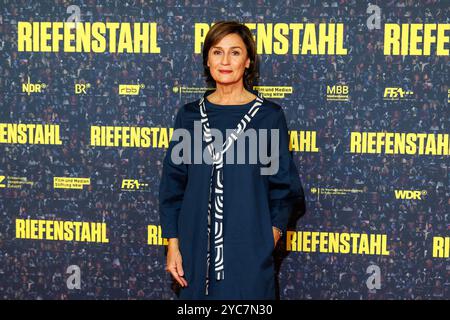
(181, 274)
(179, 265)
(174, 273)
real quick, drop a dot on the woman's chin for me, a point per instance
(226, 81)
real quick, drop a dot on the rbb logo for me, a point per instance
(130, 184)
(130, 89)
(81, 88)
(29, 87)
(337, 89)
(410, 194)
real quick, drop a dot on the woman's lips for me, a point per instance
(225, 71)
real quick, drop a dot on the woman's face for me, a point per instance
(229, 54)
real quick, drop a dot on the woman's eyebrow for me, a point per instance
(230, 47)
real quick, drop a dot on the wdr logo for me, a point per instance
(410, 194)
(130, 89)
(30, 88)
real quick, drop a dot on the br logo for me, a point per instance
(81, 87)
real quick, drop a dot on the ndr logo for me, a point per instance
(410, 194)
(130, 89)
(29, 87)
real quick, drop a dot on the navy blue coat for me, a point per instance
(253, 203)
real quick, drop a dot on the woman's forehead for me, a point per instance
(230, 41)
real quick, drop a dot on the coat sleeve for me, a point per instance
(171, 188)
(285, 187)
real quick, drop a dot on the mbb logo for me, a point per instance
(130, 89)
(337, 89)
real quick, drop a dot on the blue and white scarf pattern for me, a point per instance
(217, 166)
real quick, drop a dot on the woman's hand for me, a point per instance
(175, 263)
(276, 236)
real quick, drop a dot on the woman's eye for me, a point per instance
(233, 52)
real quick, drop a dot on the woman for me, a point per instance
(222, 218)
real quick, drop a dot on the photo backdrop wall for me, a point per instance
(89, 92)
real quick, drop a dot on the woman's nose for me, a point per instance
(225, 59)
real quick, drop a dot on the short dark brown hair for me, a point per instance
(217, 32)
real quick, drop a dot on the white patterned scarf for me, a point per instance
(217, 167)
